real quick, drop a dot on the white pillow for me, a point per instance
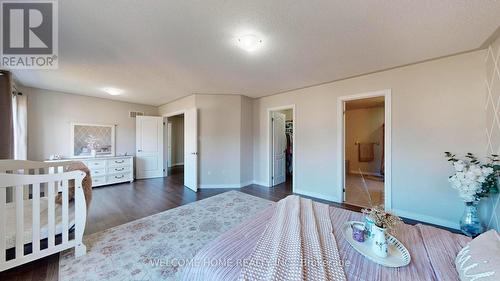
(480, 259)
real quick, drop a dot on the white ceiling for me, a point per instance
(158, 51)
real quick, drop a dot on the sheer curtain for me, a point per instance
(20, 119)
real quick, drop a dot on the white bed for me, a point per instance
(29, 212)
(10, 212)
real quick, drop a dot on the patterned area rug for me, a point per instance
(157, 247)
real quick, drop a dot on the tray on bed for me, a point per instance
(398, 254)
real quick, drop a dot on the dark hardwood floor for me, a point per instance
(118, 204)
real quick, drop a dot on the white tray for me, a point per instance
(398, 254)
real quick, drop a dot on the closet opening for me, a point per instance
(281, 147)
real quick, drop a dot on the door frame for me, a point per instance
(386, 93)
(270, 164)
(183, 112)
(169, 143)
(172, 114)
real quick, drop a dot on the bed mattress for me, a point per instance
(28, 221)
(432, 251)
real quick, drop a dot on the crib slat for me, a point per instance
(19, 221)
(26, 188)
(51, 212)
(36, 217)
(3, 198)
(65, 217)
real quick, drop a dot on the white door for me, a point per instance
(279, 148)
(149, 147)
(169, 144)
(344, 147)
(191, 149)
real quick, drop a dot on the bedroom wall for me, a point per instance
(51, 113)
(364, 125)
(491, 207)
(436, 107)
(219, 135)
(177, 105)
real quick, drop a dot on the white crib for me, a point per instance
(29, 214)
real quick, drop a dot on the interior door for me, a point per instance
(191, 149)
(344, 147)
(149, 147)
(279, 148)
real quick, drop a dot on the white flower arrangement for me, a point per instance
(91, 142)
(472, 179)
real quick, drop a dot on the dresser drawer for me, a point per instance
(118, 162)
(97, 172)
(100, 180)
(121, 177)
(96, 164)
(122, 169)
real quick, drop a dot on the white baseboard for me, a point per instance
(317, 195)
(237, 185)
(426, 218)
(261, 183)
(177, 164)
(247, 183)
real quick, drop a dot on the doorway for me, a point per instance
(152, 157)
(282, 147)
(182, 142)
(364, 144)
(174, 147)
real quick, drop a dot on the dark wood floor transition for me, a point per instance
(118, 204)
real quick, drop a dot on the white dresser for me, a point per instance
(109, 169)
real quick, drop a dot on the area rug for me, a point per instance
(157, 247)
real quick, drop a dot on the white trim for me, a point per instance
(426, 218)
(246, 183)
(261, 183)
(270, 143)
(317, 195)
(175, 113)
(387, 145)
(237, 185)
(177, 164)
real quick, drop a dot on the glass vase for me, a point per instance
(470, 224)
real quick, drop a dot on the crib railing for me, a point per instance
(24, 167)
(30, 181)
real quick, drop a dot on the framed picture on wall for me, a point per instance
(91, 140)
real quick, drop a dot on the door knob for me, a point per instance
(138, 150)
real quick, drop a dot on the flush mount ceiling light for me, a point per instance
(113, 91)
(249, 42)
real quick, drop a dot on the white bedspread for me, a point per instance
(297, 244)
